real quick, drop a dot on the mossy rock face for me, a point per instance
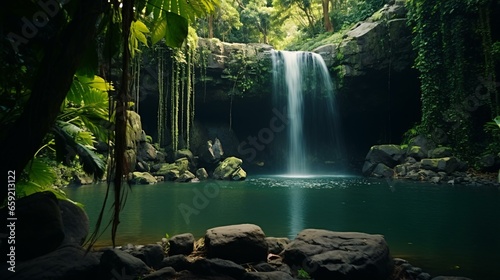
(440, 152)
(230, 167)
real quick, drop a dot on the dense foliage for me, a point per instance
(284, 24)
(44, 44)
(454, 44)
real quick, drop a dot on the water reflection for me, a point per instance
(296, 207)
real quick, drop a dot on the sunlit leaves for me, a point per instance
(138, 31)
(171, 18)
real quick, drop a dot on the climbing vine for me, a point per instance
(452, 41)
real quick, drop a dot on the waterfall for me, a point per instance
(303, 85)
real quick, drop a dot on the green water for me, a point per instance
(445, 230)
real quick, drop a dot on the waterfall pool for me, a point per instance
(445, 230)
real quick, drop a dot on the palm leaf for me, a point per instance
(40, 174)
(172, 27)
(70, 139)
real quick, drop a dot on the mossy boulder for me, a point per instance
(416, 152)
(382, 171)
(172, 171)
(184, 153)
(440, 152)
(446, 164)
(142, 178)
(239, 175)
(388, 155)
(230, 169)
(187, 176)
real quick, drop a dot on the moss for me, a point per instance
(377, 15)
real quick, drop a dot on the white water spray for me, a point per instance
(296, 75)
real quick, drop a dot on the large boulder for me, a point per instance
(423, 142)
(142, 178)
(37, 230)
(117, 262)
(187, 176)
(240, 243)
(181, 244)
(271, 275)
(212, 151)
(146, 152)
(67, 262)
(440, 152)
(388, 155)
(218, 267)
(364, 47)
(151, 254)
(446, 164)
(230, 169)
(201, 174)
(172, 171)
(382, 171)
(340, 255)
(276, 244)
(75, 223)
(416, 152)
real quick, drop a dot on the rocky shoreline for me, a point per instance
(240, 251)
(421, 160)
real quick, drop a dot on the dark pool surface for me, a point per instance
(445, 230)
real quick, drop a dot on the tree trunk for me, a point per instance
(54, 79)
(326, 16)
(210, 26)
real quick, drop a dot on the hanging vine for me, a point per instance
(136, 80)
(162, 100)
(451, 60)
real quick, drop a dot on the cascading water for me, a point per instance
(303, 85)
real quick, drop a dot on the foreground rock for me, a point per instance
(240, 243)
(340, 255)
(67, 262)
(314, 254)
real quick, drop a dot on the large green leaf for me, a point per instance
(40, 173)
(177, 30)
(71, 140)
